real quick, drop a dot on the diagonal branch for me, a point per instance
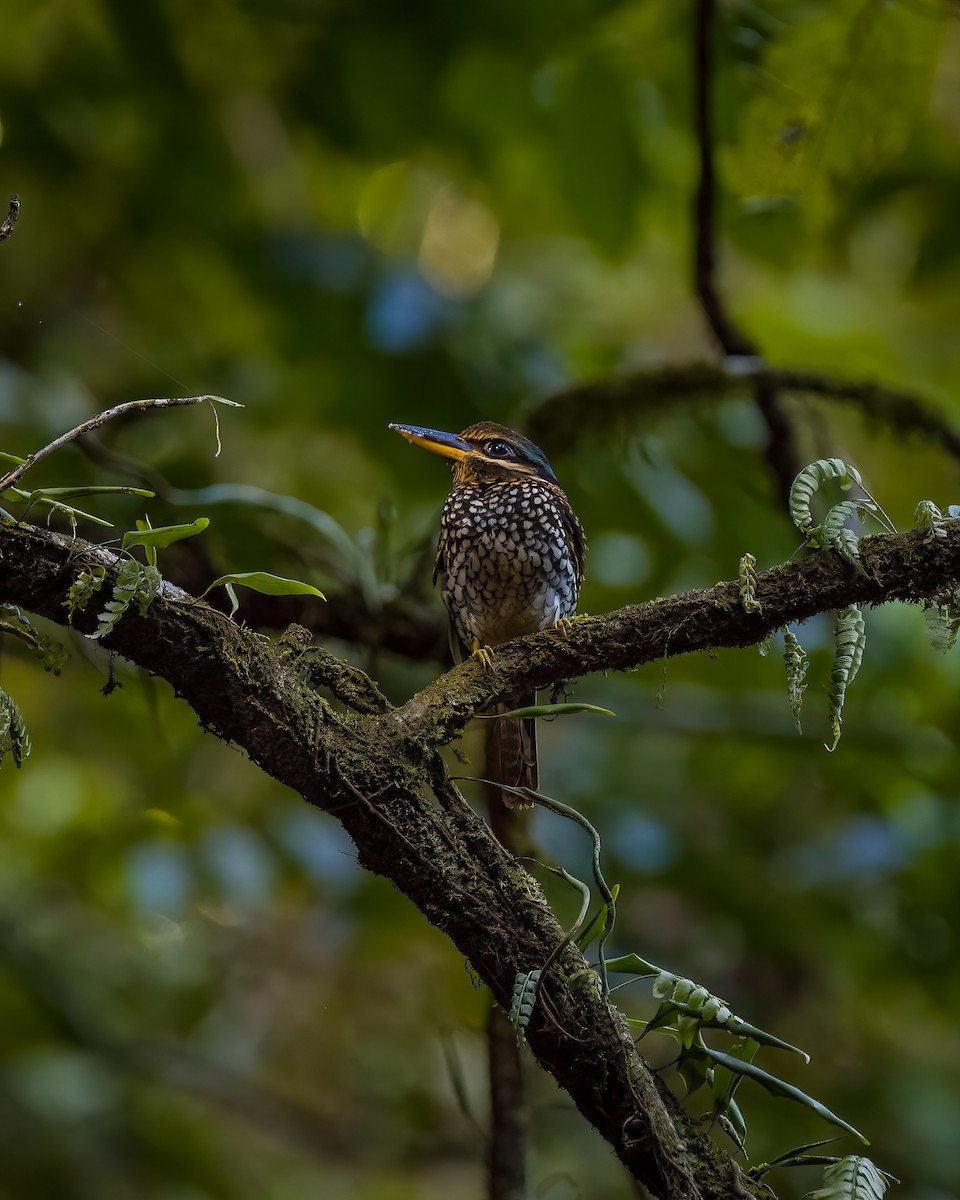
(372, 769)
(13, 476)
(560, 421)
(904, 566)
(372, 775)
(733, 341)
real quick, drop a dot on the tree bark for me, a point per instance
(378, 770)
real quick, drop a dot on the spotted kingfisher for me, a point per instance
(509, 560)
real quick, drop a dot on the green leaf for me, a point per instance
(134, 582)
(631, 964)
(72, 514)
(552, 710)
(270, 585)
(72, 493)
(789, 1157)
(725, 1081)
(164, 535)
(777, 1087)
(596, 922)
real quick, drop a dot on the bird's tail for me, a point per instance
(515, 745)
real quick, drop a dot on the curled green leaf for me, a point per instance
(809, 481)
(849, 640)
(597, 922)
(163, 535)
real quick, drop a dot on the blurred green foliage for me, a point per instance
(345, 215)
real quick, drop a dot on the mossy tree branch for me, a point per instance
(560, 421)
(373, 768)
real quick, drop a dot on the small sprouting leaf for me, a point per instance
(148, 588)
(835, 535)
(929, 518)
(795, 660)
(808, 482)
(596, 922)
(747, 575)
(849, 639)
(14, 739)
(79, 594)
(134, 583)
(552, 710)
(270, 585)
(164, 535)
(777, 1087)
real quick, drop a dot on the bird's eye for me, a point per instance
(498, 449)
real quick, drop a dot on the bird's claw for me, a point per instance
(483, 655)
(563, 627)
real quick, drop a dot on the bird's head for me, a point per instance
(484, 453)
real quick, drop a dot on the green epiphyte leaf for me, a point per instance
(554, 710)
(163, 535)
(270, 585)
(777, 1087)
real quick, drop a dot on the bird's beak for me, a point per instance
(448, 445)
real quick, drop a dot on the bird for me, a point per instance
(510, 562)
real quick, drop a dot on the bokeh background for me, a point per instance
(346, 214)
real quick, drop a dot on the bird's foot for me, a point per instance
(563, 627)
(483, 655)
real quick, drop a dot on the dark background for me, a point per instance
(346, 214)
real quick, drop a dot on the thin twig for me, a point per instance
(10, 220)
(92, 423)
(564, 810)
(733, 341)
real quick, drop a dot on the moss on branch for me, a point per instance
(372, 767)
